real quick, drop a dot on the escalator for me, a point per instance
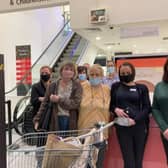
(69, 49)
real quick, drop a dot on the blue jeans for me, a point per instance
(63, 123)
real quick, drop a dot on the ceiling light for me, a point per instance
(98, 38)
(108, 47)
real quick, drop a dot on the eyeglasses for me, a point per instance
(95, 74)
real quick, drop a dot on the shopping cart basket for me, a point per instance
(64, 153)
(58, 149)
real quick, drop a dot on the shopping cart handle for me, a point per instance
(100, 124)
(97, 130)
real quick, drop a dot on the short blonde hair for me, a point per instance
(96, 67)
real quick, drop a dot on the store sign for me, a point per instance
(21, 2)
(15, 5)
(23, 69)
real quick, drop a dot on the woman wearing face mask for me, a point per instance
(131, 101)
(82, 74)
(111, 76)
(37, 97)
(95, 105)
(39, 88)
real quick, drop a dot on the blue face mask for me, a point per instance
(110, 69)
(95, 81)
(82, 76)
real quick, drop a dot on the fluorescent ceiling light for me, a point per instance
(98, 38)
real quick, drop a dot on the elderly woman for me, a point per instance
(95, 103)
(65, 96)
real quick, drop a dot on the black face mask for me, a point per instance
(126, 78)
(45, 77)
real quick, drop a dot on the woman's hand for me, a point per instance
(131, 122)
(54, 98)
(36, 126)
(41, 99)
(120, 112)
(165, 133)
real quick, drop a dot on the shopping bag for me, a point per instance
(88, 157)
(59, 153)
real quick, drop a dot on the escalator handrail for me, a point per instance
(27, 73)
(82, 52)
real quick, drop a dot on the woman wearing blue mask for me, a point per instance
(95, 105)
(82, 74)
(111, 75)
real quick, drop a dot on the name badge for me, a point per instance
(133, 89)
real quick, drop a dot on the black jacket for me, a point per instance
(38, 90)
(144, 100)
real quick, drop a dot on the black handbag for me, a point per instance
(44, 122)
(45, 118)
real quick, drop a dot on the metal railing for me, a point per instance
(48, 56)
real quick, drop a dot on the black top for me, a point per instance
(134, 98)
(127, 98)
(38, 90)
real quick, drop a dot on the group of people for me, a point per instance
(83, 97)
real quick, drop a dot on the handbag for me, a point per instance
(44, 122)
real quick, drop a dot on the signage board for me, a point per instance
(17, 5)
(98, 16)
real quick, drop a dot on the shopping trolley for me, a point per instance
(62, 149)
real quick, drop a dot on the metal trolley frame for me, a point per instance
(63, 149)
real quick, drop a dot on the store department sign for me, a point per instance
(16, 5)
(21, 2)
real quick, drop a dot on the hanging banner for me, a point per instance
(16, 5)
(23, 69)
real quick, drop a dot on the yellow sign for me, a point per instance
(1, 67)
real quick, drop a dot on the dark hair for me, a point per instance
(165, 72)
(80, 69)
(46, 66)
(68, 64)
(130, 65)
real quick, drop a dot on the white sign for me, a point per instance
(16, 5)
